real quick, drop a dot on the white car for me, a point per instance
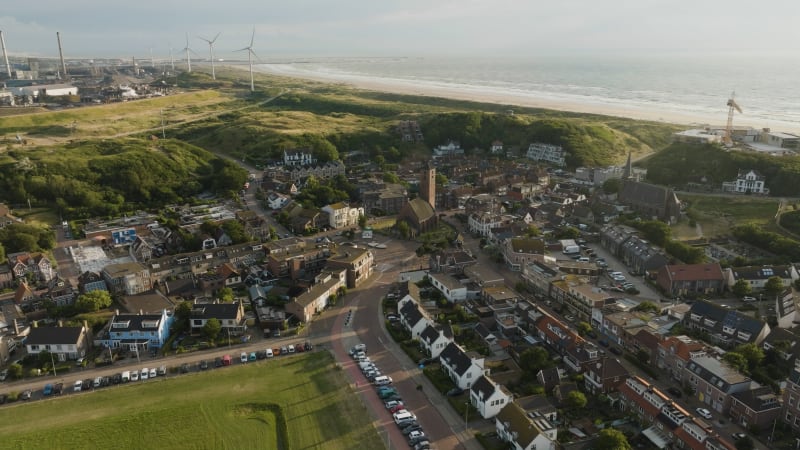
(145, 373)
(392, 404)
(77, 386)
(704, 413)
(748, 299)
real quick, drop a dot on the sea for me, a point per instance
(686, 85)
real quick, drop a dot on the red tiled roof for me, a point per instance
(690, 272)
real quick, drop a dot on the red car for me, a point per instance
(397, 408)
(299, 348)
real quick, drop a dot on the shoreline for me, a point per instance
(520, 99)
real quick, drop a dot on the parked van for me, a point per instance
(162, 371)
(382, 381)
(126, 376)
(402, 416)
(153, 372)
(291, 348)
(243, 357)
(134, 375)
(145, 373)
(269, 353)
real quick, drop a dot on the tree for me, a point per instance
(533, 231)
(212, 328)
(15, 371)
(612, 185)
(93, 301)
(534, 359)
(403, 229)
(362, 221)
(773, 286)
(611, 439)
(183, 311)
(741, 288)
(752, 353)
(568, 233)
(745, 443)
(737, 360)
(225, 295)
(576, 400)
(583, 328)
(647, 306)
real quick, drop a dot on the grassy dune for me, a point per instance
(717, 215)
(235, 408)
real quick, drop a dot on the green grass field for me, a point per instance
(716, 215)
(235, 408)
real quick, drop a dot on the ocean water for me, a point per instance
(687, 85)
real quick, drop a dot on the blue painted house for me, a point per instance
(136, 331)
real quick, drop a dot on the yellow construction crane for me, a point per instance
(732, 105)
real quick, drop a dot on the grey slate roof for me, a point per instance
(411, 313)
(456, 358)
(724, 316)
(430, 334)
(758, 399)
(215, 310)
(761, 272)
(53, 335)
(483, 386)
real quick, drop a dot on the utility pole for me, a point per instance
(53, 362)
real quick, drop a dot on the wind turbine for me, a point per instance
(250, 54)
(188, 58)
(211, 50)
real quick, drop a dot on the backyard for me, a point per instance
(301, 402)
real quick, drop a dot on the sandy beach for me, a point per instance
(520, 99)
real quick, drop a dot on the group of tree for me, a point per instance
(107, 178)
(679, 164)
(660, 234)
(318, 193)
(786, 248)
(745, 358)
(19, 237)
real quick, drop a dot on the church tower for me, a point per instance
(627, 173)
(427, 185)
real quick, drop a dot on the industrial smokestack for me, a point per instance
(5, 54)
(61, 55)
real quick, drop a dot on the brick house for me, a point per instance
(691, 279)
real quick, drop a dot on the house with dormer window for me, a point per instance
(724, 325)
(715, 381)
(604, 375)
(136, 332)
(64, 343)
(35, 264)
(435, 338)
(462, 367)
(523, 432)
(758, 407)
(489, 397)
(229, 315)
(412, 316)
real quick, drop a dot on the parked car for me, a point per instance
(243, 357)
(455, 392)
(704, 413)
(145, 374)
(26, 394)
(58, 388)
(252, 356)
(185, 368)
(162, 371)
(748, 299)
(675, 391)
(3, 375)
(392, 404)
(153, 372)
(284, 350)
(409, 428)
(48, 389)
(299, 348)
(203, 365)
(603, 342)
(737, 436)
(397, 408)
(308, 346)
(217, 362)
(616, 350)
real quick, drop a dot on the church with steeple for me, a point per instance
(650, 200)
(420, 213)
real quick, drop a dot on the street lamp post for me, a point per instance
(53, 362)
(466, 415)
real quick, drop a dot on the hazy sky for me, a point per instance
(94, 28)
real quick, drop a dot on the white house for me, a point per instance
(757, 276)
(298, 158)
(747, 182)
(522, 432)
(452, 289)
(65, 343)
(276, 201)
(553, 154)
(489, 397)
(462, 368)
(434, 339)
(412, 317)
(482, 223)
(497, 147)
(342, 216)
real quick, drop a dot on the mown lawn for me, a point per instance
(235, 408)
